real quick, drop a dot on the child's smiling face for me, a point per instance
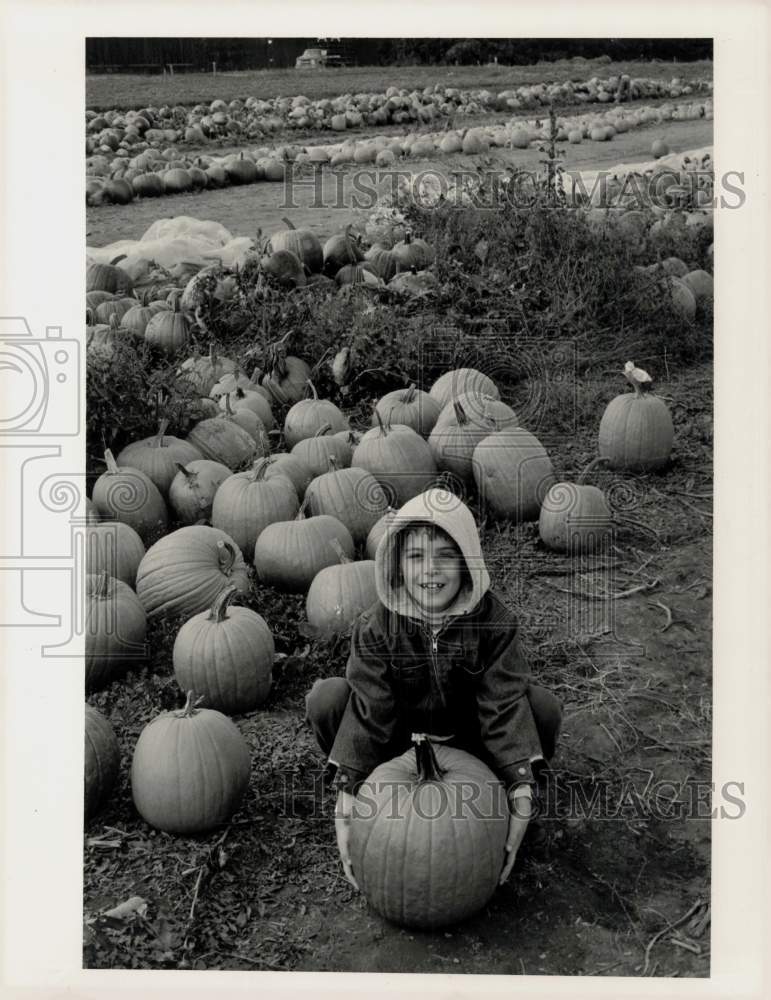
(431, 566)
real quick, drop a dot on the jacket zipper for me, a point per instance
(434, 637)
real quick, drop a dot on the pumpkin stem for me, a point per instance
(409, 394)
(109, 460)
(190, 705)
(381, 425)
(590, 468)
(312, 388)
(288, 223)
(103, 584)
(213, 352)
(226, 555)
(259, 468)
(219, 610)
(341, 555)
(162, 428)
(324, 429)
(332, 462)
(186, 472)
(303, 507)
(425, 758)
(460, 414)
(228, 407)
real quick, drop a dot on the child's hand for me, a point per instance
(343, 812)
(520, 809)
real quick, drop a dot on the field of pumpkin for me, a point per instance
(256, 409)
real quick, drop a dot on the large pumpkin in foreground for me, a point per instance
(183, 572)
(428, 836)
(190, 770)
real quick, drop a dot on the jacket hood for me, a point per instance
(448, 512)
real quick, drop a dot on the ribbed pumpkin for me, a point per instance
(351, 495)
(249, 399)
(462, 380)
(225, 656)
(114, 548)
(192, 491)
(358, 275)
(289, 554)
(101, 761)
(183, 572)
(411, 407)
(383, 262)
(412, 253)
(117, 307)
(286, 377)
(190, 770)
(128, 495)
(636, 432)
(453, 442)
(249, 501)
(115, 626)
(204, 372)
(104, 339)
(301, 242)
(247, 420)
(224, 441)
(316, 451)
(108, 278)
(339, 250)
(575, 517)
(168, 330)
(307, 416)
(377, 531)
(399, 458)
(158, 456)
(338, 594)
(481, 410)
(285, 464)
(513, 473)
(428, 836)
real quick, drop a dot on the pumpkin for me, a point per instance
(480, 410)
(241, 170)
(411, 407)
(398, 457)
(192, 490)
(104, 338)
(249, 501)
(413, 283)
(636, 432)
(351, 495)
(176, 181)
(301, 242)
(115, 626)
(358, 275)
(575, 517)
(247, 420)
(248, 399)
(428, 836)
(127, 494)
(377, 531)
(339, 594)
(289, 554)
(292, 468)
(383, 262)
(95, 298)
(412, 253)
(204, 372)
(315, 452)
(453, 442)
(168, 330)
(158, 456)
(462, 380)
(224, 441)
(114, 548)
(108, 278)
(340, 250)
(284, 267)
(135, 320)
(190, 770)
(225, 656)
(182, 573)
(285, 377)
(101, 761)
(701, 284)
(114, 307)
(513, 473)
(306, 417)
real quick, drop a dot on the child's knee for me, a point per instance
(328, 696)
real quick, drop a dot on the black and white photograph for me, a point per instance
(390, 593)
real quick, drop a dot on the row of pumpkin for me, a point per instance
(253, 117)
(150, 170)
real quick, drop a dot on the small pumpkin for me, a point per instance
(636, 432)
(315, 452)
(247, 420)
(462, 380)
(339, 594)
(575, 517)
(383, 262)
(206, 371)
(114, 548)
(453, 442)
(190, 770)
(339, 250)
(101, 761)
(283, 463)
(428, 836)
(412, 253)
(168, 330)
(351, 495)
(192, 490)
(115, 627)
(127, 494)
(398, 457)
(157, 456)
(249, 501)
(183, 572)
(289, 554)
(307, 416)
(248, 399)
(108, 278)
(225, 656)
(285, 377)
(513, 473)
(301, 242)
(222, 440)
(411, 406)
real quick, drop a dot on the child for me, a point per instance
(438, 654)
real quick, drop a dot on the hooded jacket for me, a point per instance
(460, 675)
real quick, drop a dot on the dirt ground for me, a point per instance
(244, 210)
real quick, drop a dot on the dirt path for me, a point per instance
(244, 210)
